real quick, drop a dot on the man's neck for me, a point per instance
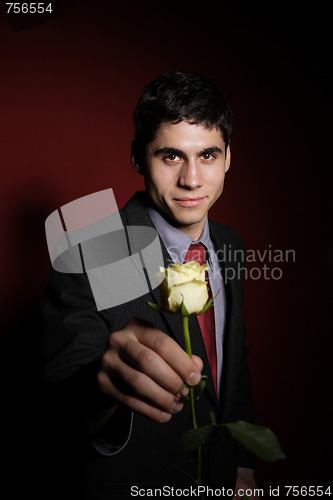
(194, 231)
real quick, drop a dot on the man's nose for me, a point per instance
(190, 175)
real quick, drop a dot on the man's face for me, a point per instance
(184, 173)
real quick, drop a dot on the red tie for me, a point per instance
(197, 252)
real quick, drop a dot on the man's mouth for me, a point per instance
(187, 202)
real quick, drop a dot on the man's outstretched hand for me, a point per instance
(145, 369)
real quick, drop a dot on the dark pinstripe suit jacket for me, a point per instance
(74, 339)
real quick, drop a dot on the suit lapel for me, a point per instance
(231, 349)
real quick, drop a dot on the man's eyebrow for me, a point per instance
(174, 151)
(211, 150)
(168, 151)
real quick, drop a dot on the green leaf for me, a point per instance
(201, 387)
(258, 439)
(156, 306)
(208, 304)
(212, 417)
(194, 438)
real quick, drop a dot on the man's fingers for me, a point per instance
(152, 364)
(109, 386)
(198, 362)
(189, 370)
(133, 381)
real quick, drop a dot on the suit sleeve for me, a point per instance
(74, 338)
(74, 333)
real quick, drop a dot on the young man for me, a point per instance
(122, 369)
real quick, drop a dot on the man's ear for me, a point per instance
(227, 158)
(135, 165)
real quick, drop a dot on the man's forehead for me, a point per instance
(187, 134)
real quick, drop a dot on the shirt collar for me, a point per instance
(176, 242)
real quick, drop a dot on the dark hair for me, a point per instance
(175, 97)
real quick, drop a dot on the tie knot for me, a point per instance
(196, 252)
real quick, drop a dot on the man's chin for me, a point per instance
(181, 217)
(192, 220)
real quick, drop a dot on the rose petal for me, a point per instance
(194, 294)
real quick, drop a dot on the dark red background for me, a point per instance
(68, 88)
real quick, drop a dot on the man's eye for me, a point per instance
(207, 156)
(172, 157)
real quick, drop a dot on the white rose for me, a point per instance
(184, 282)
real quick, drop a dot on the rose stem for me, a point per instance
(188, 348)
